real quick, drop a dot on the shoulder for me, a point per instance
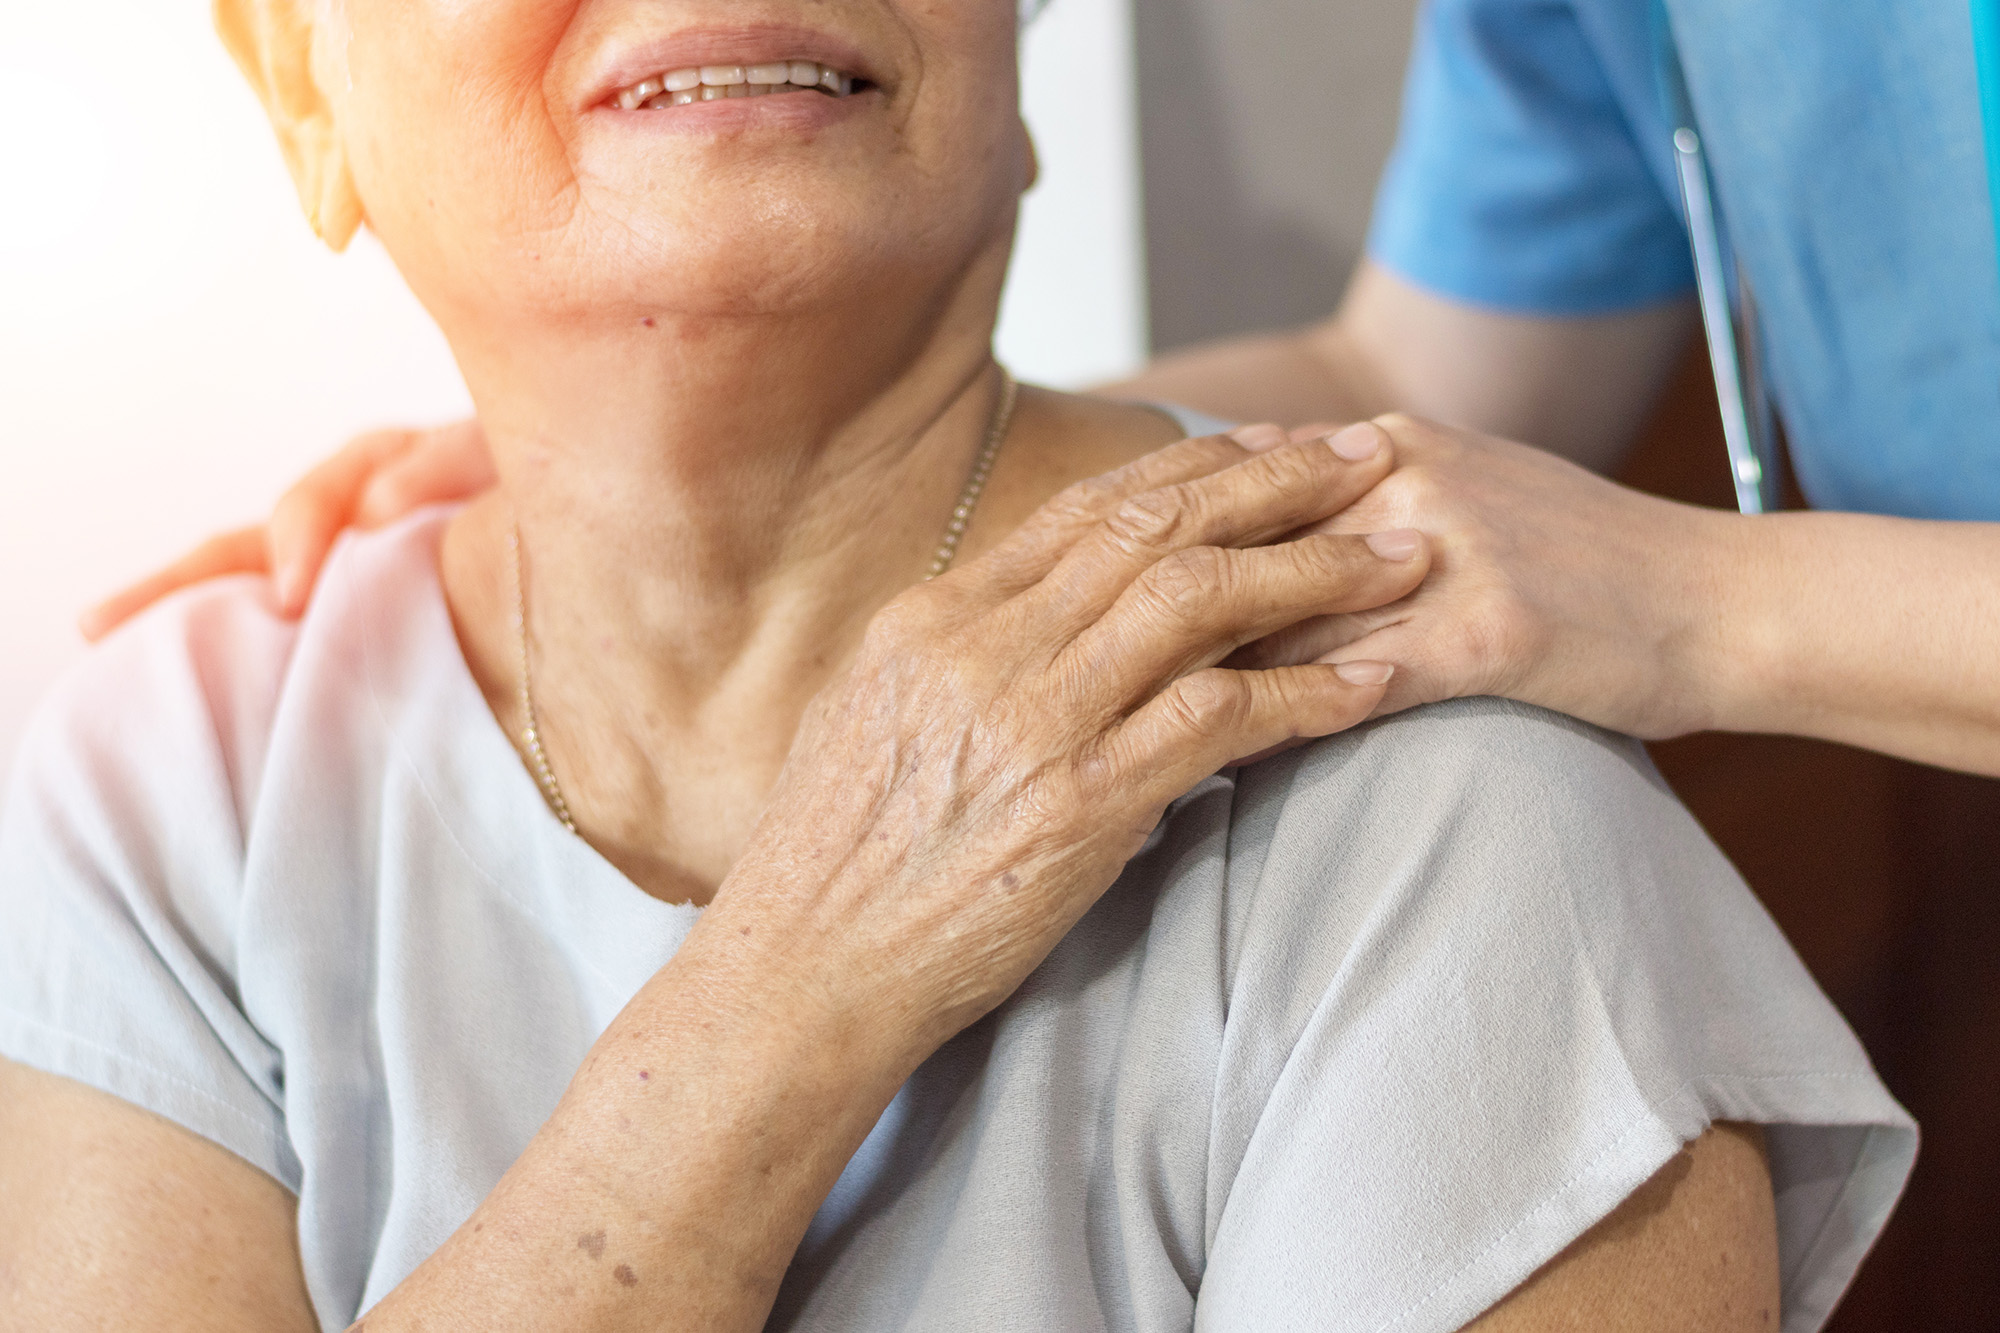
(1485, 976)
(171, 711)
(1484, 844)
(128, 835)
(179, 705)
(1471, 807)
(142, 780)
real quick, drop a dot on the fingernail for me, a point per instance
(1399, 545)
(1358, 443)
(1260, 438)
(1365, 673)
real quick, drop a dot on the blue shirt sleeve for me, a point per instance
(1518, 182)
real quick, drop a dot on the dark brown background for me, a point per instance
(1886, 876)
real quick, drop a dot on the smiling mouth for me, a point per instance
(712, 83)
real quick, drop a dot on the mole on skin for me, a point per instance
(625, 1275)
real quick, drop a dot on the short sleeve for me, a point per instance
(1517, 182)
(1488, 978)
(121, 866)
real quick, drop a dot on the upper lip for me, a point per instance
(736, 45)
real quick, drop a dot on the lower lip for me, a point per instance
(790, 110)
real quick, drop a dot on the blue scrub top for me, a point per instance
(1535, 174)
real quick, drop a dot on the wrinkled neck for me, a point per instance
(713, 487)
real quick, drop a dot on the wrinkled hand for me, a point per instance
(1548, 584)
(1010, 733)
(374, 480)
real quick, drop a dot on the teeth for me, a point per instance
(711, 83)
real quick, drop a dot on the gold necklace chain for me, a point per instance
(947, 551)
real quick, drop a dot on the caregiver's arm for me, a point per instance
(1553, 586)
(373, 480)
(1579, 386)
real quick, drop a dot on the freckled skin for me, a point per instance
(592, 1244)
(626, 1277)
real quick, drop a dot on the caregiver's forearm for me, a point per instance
(1877, 632)
(1578, 386)
(678, 1175)
(1293, 377)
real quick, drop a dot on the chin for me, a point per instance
(768, 250)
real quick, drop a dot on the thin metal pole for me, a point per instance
(1746, 469)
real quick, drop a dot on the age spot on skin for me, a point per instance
(1010, 880)
(626, 1277)
(592, 1245)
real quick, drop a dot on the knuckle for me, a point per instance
(1412, 488)
(303, 508)
(1211, 703)
(1330, 562)
(1149, 521)
(1402, 424)
(908, 620)
(389, 493)
(1207, 451)
(1088, 500)
(1186, 583)
(1297, 472)
(1499, 635)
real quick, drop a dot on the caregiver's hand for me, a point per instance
(1549, 585)
(374, 480)
(1555, 587)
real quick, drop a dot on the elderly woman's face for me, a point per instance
(500, 153)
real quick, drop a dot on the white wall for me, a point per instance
(175, 346)
(1075, 308)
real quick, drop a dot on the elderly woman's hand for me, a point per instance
(1010, 733)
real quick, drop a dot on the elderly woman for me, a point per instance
(836, 949)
